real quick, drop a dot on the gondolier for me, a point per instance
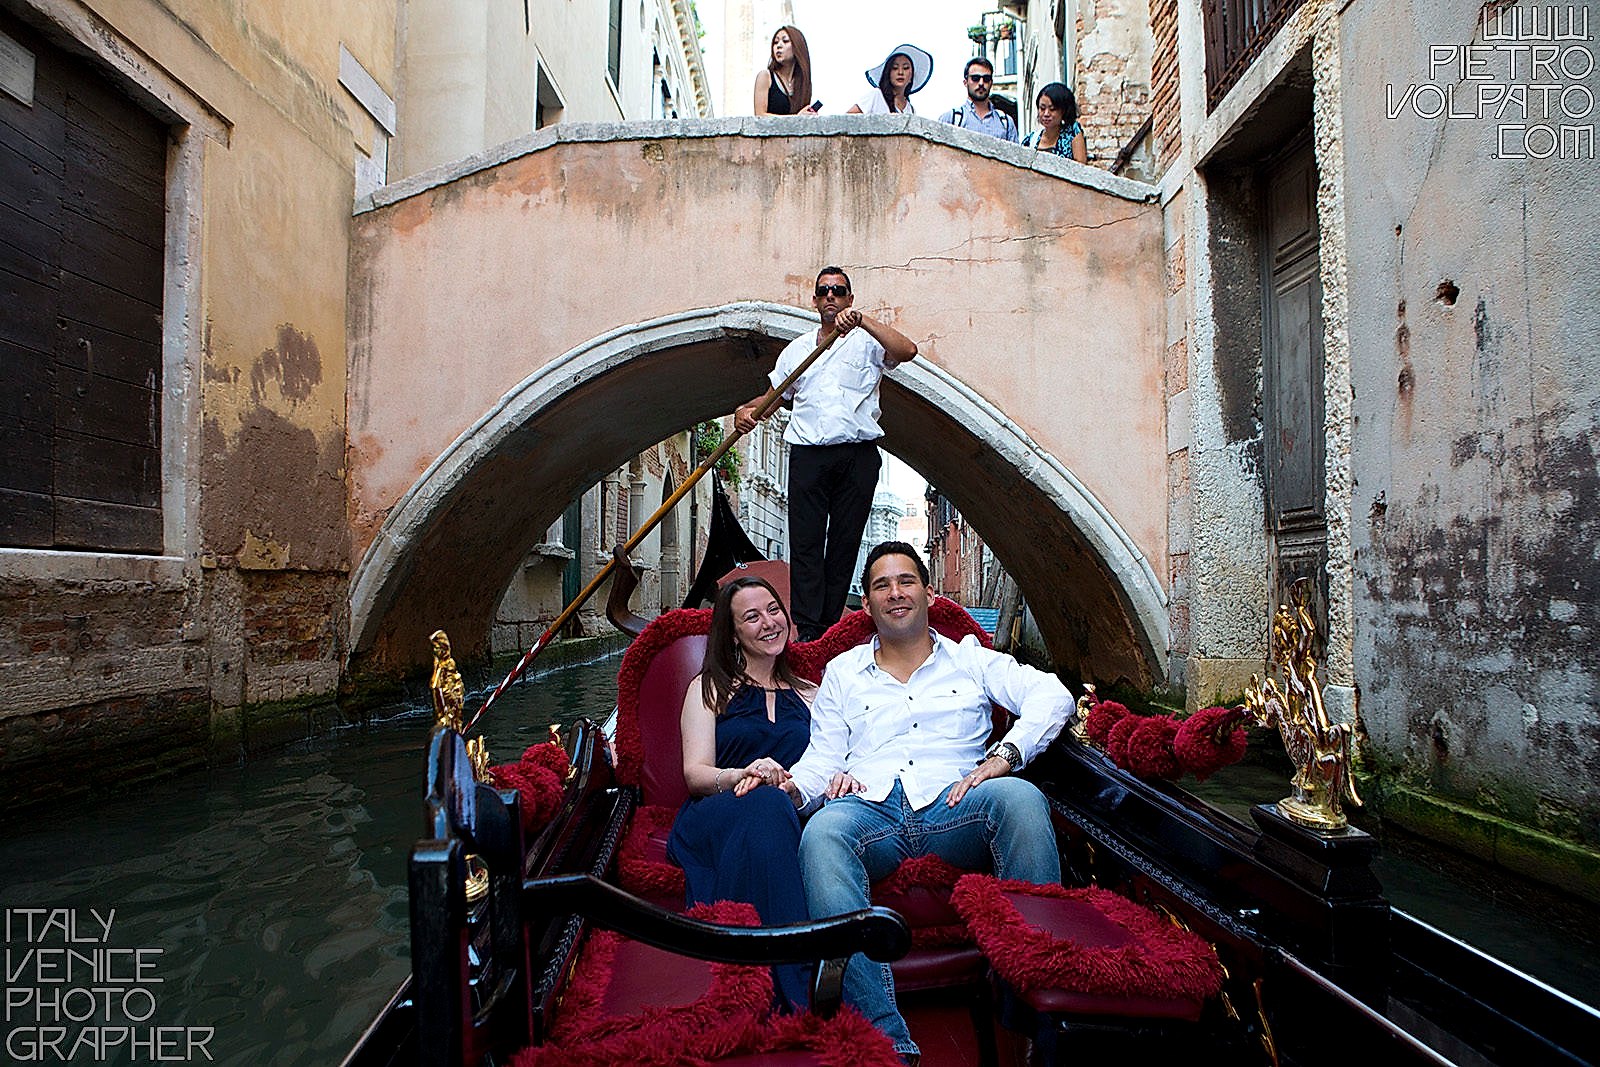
(833, 452)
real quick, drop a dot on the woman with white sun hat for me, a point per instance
(905, 71)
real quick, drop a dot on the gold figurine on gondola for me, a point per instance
(1320, 749)
(449, 692)
(449, 700)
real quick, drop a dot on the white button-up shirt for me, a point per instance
(930, 730)
(836, 399)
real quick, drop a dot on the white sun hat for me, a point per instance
(921, 67)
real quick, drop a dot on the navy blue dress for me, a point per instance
(748, 848)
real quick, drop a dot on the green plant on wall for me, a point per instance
(709, 434)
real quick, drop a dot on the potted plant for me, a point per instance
(1007, 30)
(976, 33)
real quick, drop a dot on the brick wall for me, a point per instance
(1112, 74)
(1164, 81)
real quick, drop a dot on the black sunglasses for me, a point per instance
(980, 77)
(836, 290)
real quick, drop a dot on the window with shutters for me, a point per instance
(614, 44)
(82, 225)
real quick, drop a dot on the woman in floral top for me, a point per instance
(1059, 131)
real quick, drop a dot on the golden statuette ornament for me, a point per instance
(1320, 750)
(449, 692)
(1080, 715)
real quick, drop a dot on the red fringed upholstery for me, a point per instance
(919, 889)
(604, 1023)
(643, 868)
(539, 776)
(846, 1040)
(1119, 949)
(631, 1004)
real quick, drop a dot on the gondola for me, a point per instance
(1308, 963)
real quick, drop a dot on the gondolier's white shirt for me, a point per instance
(836, 399)
(930, 730)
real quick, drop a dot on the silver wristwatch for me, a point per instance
(1006, 751)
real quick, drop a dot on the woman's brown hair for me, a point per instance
(800, 90)
(723, 671)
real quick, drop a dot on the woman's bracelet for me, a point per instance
(718, 778)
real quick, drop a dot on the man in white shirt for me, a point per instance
(898, 734)
(833, 447)
(979, 112)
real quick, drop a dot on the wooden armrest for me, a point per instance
(880, 933)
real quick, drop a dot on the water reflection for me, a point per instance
(275, 890)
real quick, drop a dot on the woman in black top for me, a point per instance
(784, 87)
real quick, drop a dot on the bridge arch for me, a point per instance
(446, 549)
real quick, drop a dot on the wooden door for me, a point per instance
(82, 224)
(1292, 378)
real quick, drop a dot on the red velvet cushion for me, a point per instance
(630, 1003)
(661, 696)
(1087, 950)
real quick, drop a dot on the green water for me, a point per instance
(271, 895)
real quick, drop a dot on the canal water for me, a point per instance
(269, 903)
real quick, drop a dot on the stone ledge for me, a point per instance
(926, 129)
(1523, 850)
(164, 572)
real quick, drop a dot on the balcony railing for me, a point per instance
(1236, 32)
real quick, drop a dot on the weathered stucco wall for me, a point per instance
(1032, 282)
(1477, 439)
(141, 665)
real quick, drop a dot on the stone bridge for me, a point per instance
(527, 320)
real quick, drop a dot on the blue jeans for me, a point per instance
(1003, 824)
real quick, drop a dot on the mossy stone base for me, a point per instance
(1526, 851)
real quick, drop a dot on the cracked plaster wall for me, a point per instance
(1476, 475)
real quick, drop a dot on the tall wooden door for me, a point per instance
(1292, 378)
(82, 222)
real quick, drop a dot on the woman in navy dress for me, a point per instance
(746, 718)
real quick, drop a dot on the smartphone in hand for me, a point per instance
(816, 107)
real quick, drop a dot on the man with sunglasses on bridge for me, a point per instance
(833, 447)
(979, 112)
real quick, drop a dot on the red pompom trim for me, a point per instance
(1162, 960)
(541, 786)
(1149, 749)
(1117, 738)
(1211, 739)
(1101, 718)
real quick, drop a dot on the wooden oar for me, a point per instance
(768, 402)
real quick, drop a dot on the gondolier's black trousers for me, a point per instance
(830, 498)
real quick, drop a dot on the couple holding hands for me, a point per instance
(886, 760)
